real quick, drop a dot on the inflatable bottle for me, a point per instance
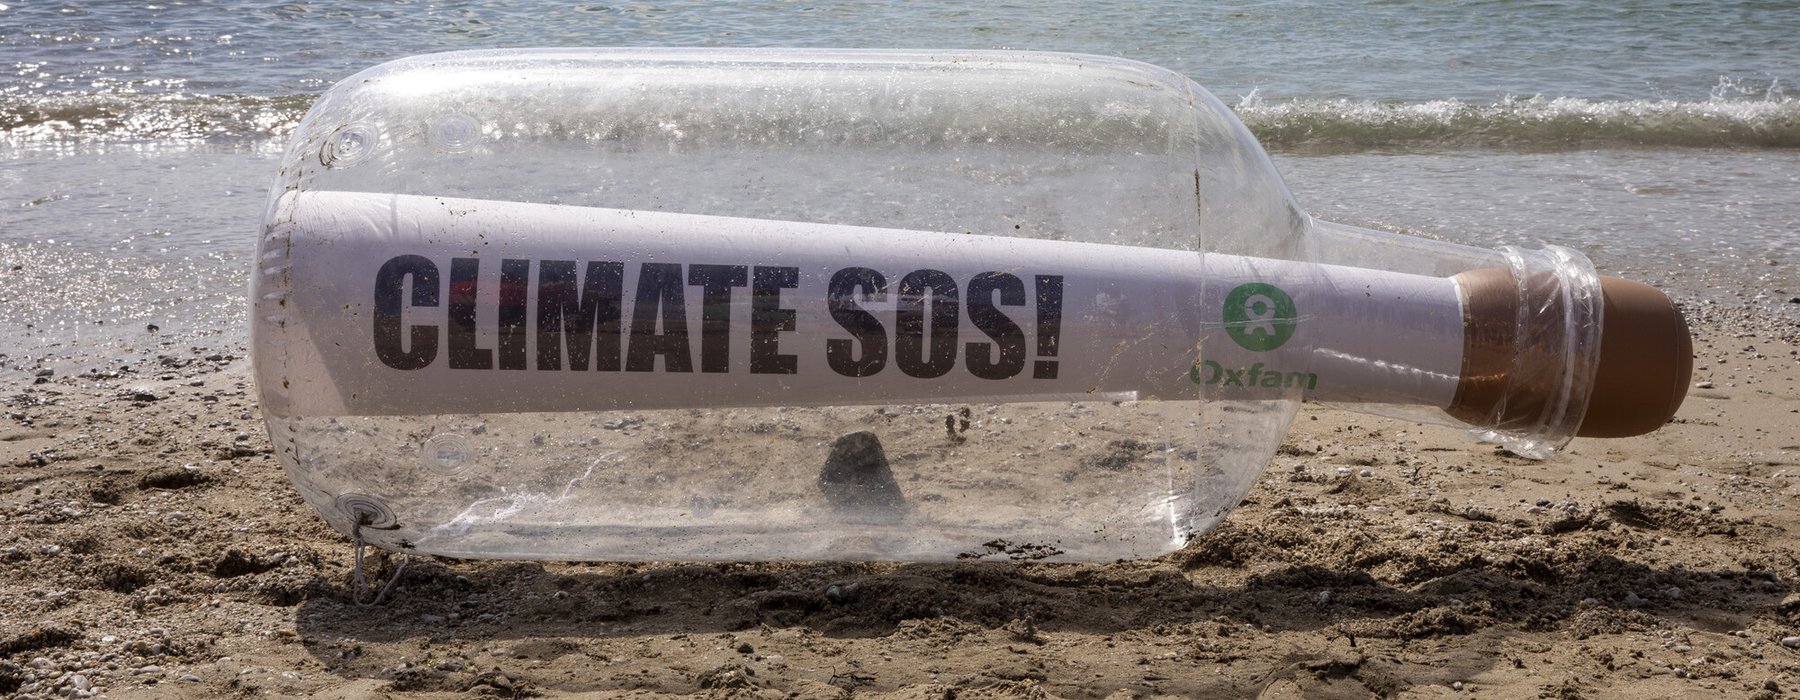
(631, 304)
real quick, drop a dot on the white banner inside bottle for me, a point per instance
(401, 304)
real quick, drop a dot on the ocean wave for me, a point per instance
(151, 116)
(1525, 124)
(1305, 125)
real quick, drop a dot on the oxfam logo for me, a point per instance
(1259, 317)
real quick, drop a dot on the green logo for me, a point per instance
(1259, 317)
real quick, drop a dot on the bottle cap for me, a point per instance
(1507, 380)
(1646, 362)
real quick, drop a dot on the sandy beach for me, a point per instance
(152, 547)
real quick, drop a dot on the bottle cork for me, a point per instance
(1507, 380)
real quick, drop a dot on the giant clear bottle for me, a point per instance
(650, 304)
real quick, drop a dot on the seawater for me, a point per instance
(138, 140)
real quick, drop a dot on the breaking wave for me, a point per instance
(1291, 125)
(143, 117)
(1523, 124)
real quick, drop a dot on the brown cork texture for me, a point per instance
(1646, 362)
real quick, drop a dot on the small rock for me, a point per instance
(729, 676)
(432, 619)
(1632, 600)
(190, 678)
(1322, 597)
(1704, 385)
(1456, 686)
(502, 682)
(1791, 642)
(80, 682)
(1366, 473)
(856, 477)
(1673, 593)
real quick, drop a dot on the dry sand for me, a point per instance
(150, 546)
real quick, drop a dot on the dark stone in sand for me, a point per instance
(856, 476)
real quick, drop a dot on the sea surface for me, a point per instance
(138, 140)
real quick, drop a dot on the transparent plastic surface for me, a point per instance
(1139, 301)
